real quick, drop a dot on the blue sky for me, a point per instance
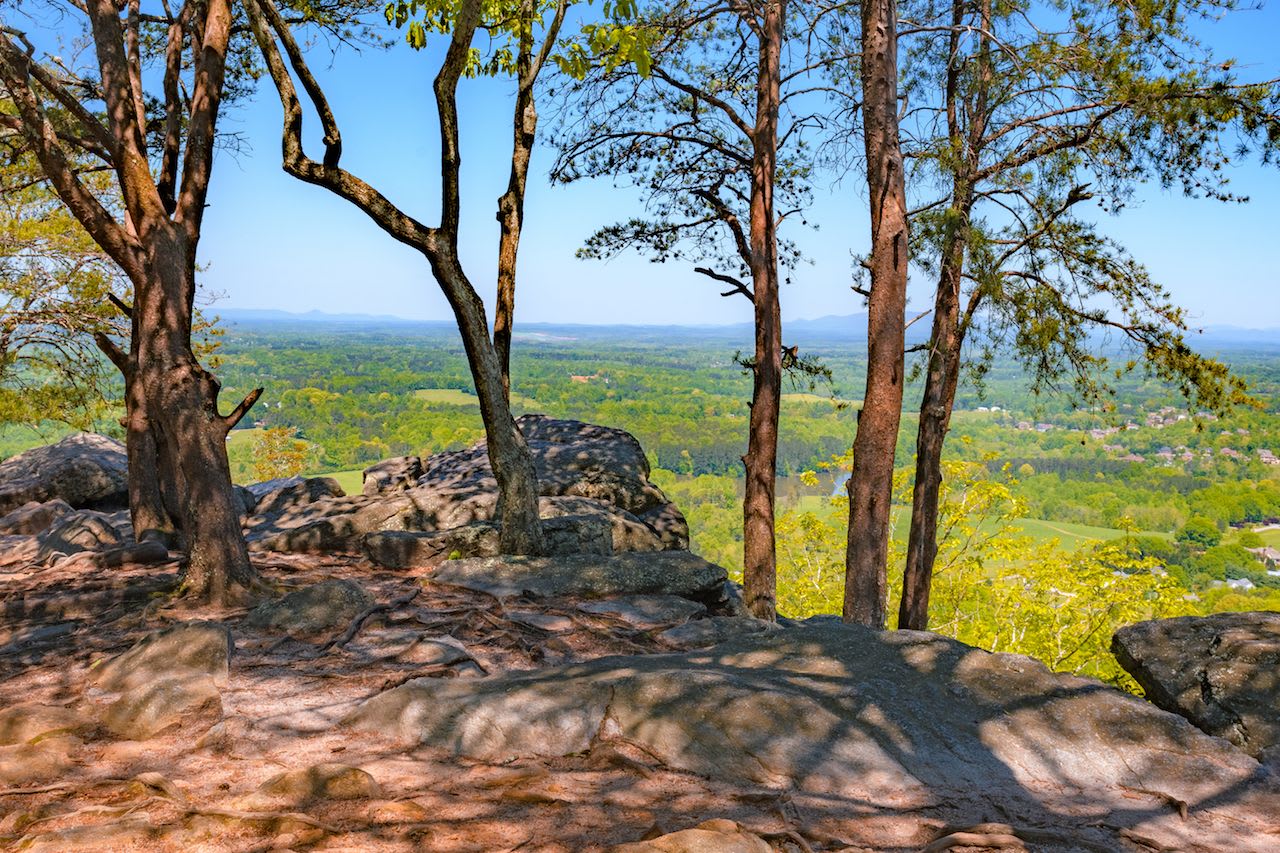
(272, 242)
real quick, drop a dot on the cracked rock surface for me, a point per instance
(1221, 672)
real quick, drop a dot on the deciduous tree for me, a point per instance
(159, 151)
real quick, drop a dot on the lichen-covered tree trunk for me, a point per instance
(871, 481)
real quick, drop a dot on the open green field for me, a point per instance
(1069, 536)
(1271, 537)
(240, 437)
(454, 397)
(351, 481)
(805, 397)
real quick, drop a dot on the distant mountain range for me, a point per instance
(847, 328)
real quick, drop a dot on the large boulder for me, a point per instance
(587, 576)
(907, 720)
(34, 517)
(572, 459)
(1221, 672)
(189, 648)
(392, 475)
(583, 470)
(85, 470)
(314, 610)
(84, 530)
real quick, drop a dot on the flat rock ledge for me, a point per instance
(1221, 672)
(905, 718)
(588, 576)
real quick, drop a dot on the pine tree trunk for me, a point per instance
(760, 570)
(935, 419)
(871, 481)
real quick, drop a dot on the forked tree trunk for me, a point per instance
(759, 557)
(153, 508)
(190, 434)
(871, 481)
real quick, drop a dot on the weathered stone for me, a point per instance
(85, 470)
(24, 723)
(578, 534)
(85, 530)
(320, 782)
(248, 500)
(187, 649)
(1221, 672)
(191, 701)
(321, 608)
(392, 475)
(701, 633)
(669, 572)
(625, 531)
(646, 611)
(295, 494)
(126, 834)
(38, 761)
(402, 549)
(712, 836)
(904, 717)
(34, 517)
(552, 623)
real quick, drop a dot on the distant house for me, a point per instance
(1269, 556)
(583, 379)
(1240, 583)
(1267, 457)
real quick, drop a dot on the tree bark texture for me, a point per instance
(511, 203)
(871, 481)
(935, 419)
(760, 572)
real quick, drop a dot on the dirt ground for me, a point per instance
(192, 790)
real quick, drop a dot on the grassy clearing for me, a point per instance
(1271, 537)
(351, 481)
(242, 437)
(1039, 531)
(805, 397)
(454, 397)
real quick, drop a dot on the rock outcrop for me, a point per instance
(85, 470)
(1221, 672)
(584, 576)
(907, 718)
(593, 474)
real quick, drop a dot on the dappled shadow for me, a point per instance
(844, 736)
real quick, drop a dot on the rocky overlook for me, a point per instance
(405, 688)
